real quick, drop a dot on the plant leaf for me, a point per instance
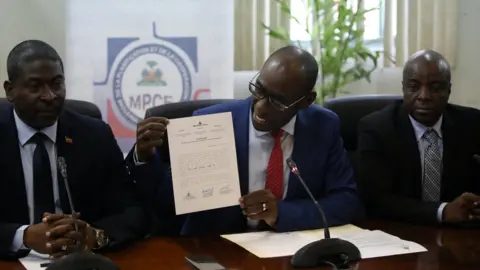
(337, 43)
(278, 33)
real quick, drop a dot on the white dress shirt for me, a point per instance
(422, 144)
(25, 132)
(259, 149)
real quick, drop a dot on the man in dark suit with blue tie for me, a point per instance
(36, 135)
(417, 157)
(277, 122)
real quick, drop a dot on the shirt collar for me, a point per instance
(25, 132)
(288, 128)
(420, 129)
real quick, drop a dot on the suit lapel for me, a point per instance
(65, 146)
(409, 147)
(449, 150)
(17, 178)
(241, 122)
(301, 148)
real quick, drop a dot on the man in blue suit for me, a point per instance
(277, 122)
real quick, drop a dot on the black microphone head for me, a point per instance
(476, 158)
(83, 261)
(292, 165)
(333, 251)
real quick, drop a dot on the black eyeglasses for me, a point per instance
(259, 92)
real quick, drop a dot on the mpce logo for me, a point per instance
(144, 73)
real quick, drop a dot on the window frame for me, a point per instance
(375, 45)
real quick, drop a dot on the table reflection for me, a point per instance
(463, 245)
(428, 260)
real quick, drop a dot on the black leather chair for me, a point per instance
(78, 106)
(179, 110)
(182, 109)
(83, 108)
(350, 110)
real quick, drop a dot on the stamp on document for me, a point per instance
(207, 192)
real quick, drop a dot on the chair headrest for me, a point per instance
(351, 109)
(83, 108)
(183, 108)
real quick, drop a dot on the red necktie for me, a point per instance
(275, 167)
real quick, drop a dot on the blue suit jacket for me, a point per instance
(320, 156)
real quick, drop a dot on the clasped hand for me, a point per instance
(260, 205)
(56, 235)
(464, 208)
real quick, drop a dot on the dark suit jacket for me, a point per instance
(97, 175)
(320, 156)
(390, 166)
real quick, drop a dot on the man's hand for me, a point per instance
(260, 205)
(35, 238)
(150, 134)
(464, 208)
(62, 237)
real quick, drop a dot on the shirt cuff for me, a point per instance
(440, 212)
(135, 158)
(18, 240)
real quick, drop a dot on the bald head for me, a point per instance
(428, 57)
(426, 86)
(283, 87)
(298, 64)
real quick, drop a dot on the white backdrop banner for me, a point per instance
(128, 56)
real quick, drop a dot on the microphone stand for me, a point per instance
(328, 251)
(80, 258)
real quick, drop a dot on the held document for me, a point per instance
(204, 162)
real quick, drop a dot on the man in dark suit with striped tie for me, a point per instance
(417, 157)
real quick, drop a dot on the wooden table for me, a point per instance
(456, 249)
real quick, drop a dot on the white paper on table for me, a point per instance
(371, 244)
(34, 260)
(374, 244)
(204, 162)
(267, 244)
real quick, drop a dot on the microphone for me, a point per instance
(79, 259)
(62, 166)
(328, 251)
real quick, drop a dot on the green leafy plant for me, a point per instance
(336, 40)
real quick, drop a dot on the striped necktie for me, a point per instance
(432, 167)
